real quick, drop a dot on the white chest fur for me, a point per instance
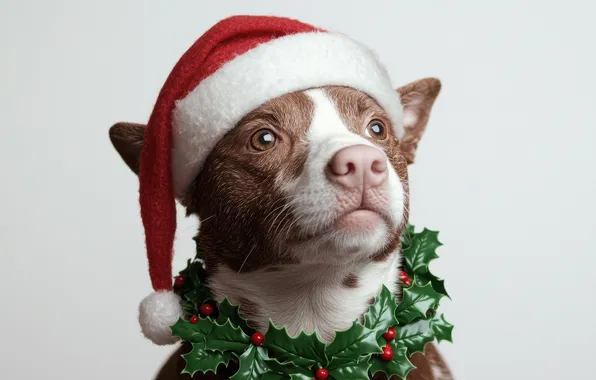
(307, 297)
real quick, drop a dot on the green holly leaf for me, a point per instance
(226, 337)
(188, 307)
(194, 333)
(230, 312)
(414, 336)
(252, 364)
(194, 274)
(194, 291)
(274, 376)
(381, 314)
(356, 370)
(400, 365)
(300, 376)
(441, 329)
(406, 236)
(416, 301)
(304, 350)
(421, 251)
(188, 285)
(197, 297)
(289, 370)
(201, 360)
(350, 344)
(437, 284)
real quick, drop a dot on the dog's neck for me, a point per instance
(325, 298)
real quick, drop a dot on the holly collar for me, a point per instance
(390, 333)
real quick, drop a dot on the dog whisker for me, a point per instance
(284, 209)
(246, 258)
(206, 219)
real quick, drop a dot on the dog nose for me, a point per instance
(358, 166)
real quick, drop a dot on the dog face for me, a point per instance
(311, 177)
(349, 200)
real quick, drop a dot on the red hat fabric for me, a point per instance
(237, 65)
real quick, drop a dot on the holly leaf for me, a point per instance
(252, 364)
(201, 360)
(437, 284)
(406, 236)
(416, 301)
(188, 285)
(421, 251)
(441, 329)
(194, 274)
(292, 371)
(381, 314)
(349, 345)
(274, 376)
(299, 376)
(230, 312)
(194, 291)
(186, 271)
(400, 365)
(304, 350)
(194, 333)
(356, 370)
(188, 307)
(414, 336)
(226, 337)
(197, 296)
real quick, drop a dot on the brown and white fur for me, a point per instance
(302, 206)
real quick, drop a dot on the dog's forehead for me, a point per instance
(354, 105)
(287, 111)
(335, 106)
(326, 120)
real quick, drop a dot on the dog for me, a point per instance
(301, 209)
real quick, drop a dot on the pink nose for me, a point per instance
(358, 166)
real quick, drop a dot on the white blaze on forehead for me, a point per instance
(327, 124)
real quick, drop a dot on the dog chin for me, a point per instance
(357, 243)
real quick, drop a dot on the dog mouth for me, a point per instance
(356, 222)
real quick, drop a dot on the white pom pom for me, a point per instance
(157, 312)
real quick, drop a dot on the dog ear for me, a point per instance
(417, 98)
(127, 138)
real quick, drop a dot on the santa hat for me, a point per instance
(237, 65)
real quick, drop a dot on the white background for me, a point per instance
(505, 172)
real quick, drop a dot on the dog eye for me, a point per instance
(376, 130)
(262, 140)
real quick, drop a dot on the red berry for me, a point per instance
(403, 277)
(321, 374)
(387, 354)
(257, 339)
(194, 319)
(236, 361)
(178, 281)
(390, 334)
(206, 309)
